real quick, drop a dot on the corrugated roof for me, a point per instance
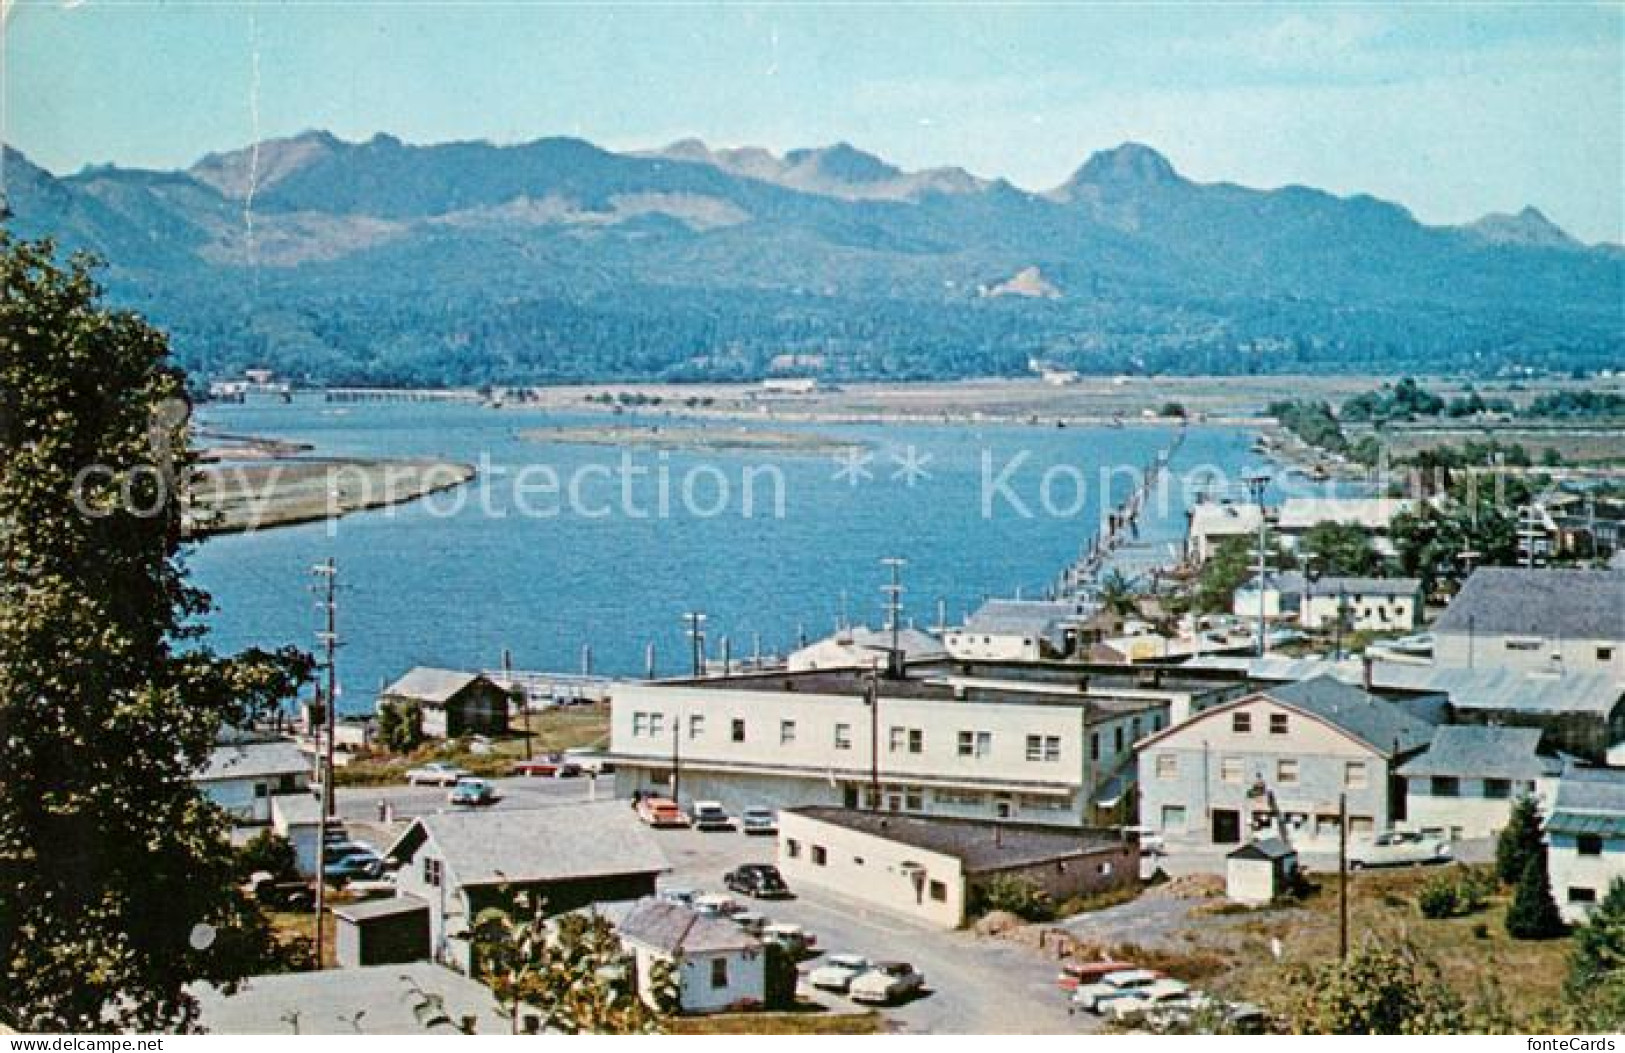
(1509, 690)
(253, 761)
(1380, 724)
(520, 846)
(1589, 801)
(1546, 602)
(1472, 751)
(431, 685)
(673, 929)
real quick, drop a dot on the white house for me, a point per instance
(1536, 620)
(1212, 522)
(1020, 630)
(860, 647)
(1373, 515)
(719, 966)
(1464, 784)
(1585, 838)
(298, 817)
(242, 777)
(1367, 604)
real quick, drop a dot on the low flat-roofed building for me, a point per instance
(930, 869)
(375, 1000)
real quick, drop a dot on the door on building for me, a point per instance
(849, 795)
(1226, 826)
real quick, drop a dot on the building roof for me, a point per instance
(254, 760)
(1025, 617)
(673, 929)
(1478, 752)
(1547, 602)
(1215, 520)
(1589, 801)
(1294, 584)
(860, 645)
(373, 999)
(1506, 690)
(979, 845)
(296, 809)
(1372, 513)
(1270, 848)
(389, 907)
(435, 686)
(525, 846)
(1384, 726)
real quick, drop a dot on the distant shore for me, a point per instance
(689, 437)
(258, 494)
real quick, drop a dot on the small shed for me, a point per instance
(1258, 872)
(381, 932)
(719, 966)
(297, 817)
(453, 703)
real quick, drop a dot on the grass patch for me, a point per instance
(1113, 897)
(567, 727)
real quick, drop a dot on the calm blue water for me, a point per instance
(453, 580)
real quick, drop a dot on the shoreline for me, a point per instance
(263, 494)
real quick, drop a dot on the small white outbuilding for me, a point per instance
(1258, 872)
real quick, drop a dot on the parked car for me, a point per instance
(710, 815)
(336, 850)
(759, 880)
(437, 774)
(887, 982)
(472, 792)
(751, 921)
(717, 905)
(1074, 975)
(1398, 848)
(683, 897)
(360, 864)
(759, 821)
(551, 767)
(1091, 998)
(661, 812)
(592, 761)
(796, 941)
(838, 971)
(1166, 996)
(1150, 839)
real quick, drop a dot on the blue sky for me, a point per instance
(1451, 110)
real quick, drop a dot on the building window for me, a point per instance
(1582, 895)
(913, 799)
(431, 871)
(939, 892)
(916, 740)
(843, 736)
(640, 724)
(1230, 769)
(1354, 775)
(1173, 818)
(1094, 746)
(261, 790)
(1286, 771)
(1043, 747)
(1278, 724)
(819, 856)
(1588, 844)
(1117, 738)
(958, 797)
(1498, 789)
(1241, 723)
(792, 848)
(1446, 786)
(696, 725)
(1523, 645)
(1136, 726)
(1605, 654)
(738, 730)
(719, 972)
(896, 738)
(787, 732)
(975, 743)
(657, 724)
(1167, 766)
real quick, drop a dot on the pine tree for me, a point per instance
(1596, 981)
(1533, 913)
(116, 876)
(1520, 839)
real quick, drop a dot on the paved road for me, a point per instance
(358, 806)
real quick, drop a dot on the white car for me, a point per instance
(710, 815)
(1398, 848)
(1092, 998)
(437, 774)
(1149, 838)
(1162, 996)
(838, 972)
(793, 938)
(887, 982)
(714, 904)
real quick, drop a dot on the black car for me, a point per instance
(761, 880)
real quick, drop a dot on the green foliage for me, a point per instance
(1596, 980)
(1474, 517)
(270, 852)
(1453, 894)
(400, 726)
(117, 876)
(1403, 401)
(571, 972)
(1117, 593)
(1533, 913)
(1313, 423)
(782, 977)
(1342, 549)
(1381, 989)
(1014, 895)
(1583, 403)
(1519, 841)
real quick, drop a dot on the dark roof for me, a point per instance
(1589, 801)
(978, 845)
(1384, 726)
(392, 906)
(1269, 848)
(435, 686)
(1478, 752)
(1572, 604)
(673, 929)
(558, 843)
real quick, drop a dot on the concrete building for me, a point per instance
(718, 965)
(1260, 871)
(1277, 762)
(460, 863)
(1020, 630)
(242, 777)
(1212, 523)
(1464, 784)
(930, 869)
(453, 702)
(1585, 838)
(1536, 620)
(1373, 515)
(1367, 604)
(1046, 746)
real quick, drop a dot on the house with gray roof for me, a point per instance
(717, 965)
(1366, 604)
(1464, 784)
(1585, 838)
(243, 776)
(563, 858)
(1553, 620)
(1020, 630)
(1277, 762)
(453, 702)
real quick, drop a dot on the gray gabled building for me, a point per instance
(1536, 619)
(1464, 784)
(453, 702)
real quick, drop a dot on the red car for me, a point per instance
(661, 811)
(547, 768)
(1074, 975)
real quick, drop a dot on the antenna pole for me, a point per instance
(327, 577)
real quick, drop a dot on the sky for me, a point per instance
(1452, 110)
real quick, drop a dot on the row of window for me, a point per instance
(1489, 789)
(1233, 770)
(1241, 722)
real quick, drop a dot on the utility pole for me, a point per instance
(1342, 877)
(327, 578)
(524, 697)
(649, 660)
(1256, 484)
(894, 615)
(871, 698)
(677, 759)
(696, 636)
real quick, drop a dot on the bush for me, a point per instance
(270, 852)
(1014, 895)
(1533, 913)
(1452, 895)
(400, 726)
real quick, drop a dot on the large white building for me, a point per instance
(1556, 621)
(975, 742)
(1366, 604)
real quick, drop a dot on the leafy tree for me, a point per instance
(1596, 980)
(1340, 549)
(1117, 593)
(1380, 989)
(1014, 895)
(116, 876)
(1533, 913)
(1520, 841)
(400, 726)
(782, 976)
(270, 852)
(571, 972)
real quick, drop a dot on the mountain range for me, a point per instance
(555, 260)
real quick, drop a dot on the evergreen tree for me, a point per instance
(1533, 913)
(1596, 981)
(1520, 839)
(116, 875)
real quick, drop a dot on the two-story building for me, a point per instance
(1585, 838)
(1374, 516)
(242, 777)
(1464, 784)
(1365, 604)
(1550, 620)
(1279, 761)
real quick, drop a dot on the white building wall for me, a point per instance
(1469, 814)
(697, 993)
(247, 801)
(992, 647)
(1570, 871)
(1529, 653)
(926, 886)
